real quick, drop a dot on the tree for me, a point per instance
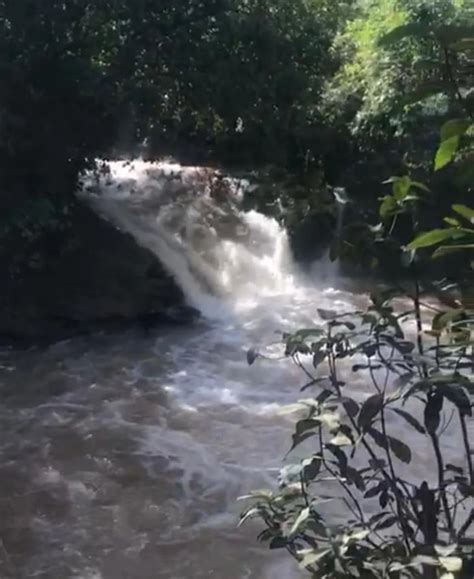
(420, 531)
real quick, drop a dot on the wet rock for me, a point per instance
(89, 276)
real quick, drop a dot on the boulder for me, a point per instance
(85, 277)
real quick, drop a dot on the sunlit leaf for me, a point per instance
(310, 404)
(357, 536)
(451, 564)
(311, 557)
(452, 221)
(401, 187)
(331, 420)
(262, 494)
(250, 514)
(300, 520)
(341, 440)
(446, 551)
(432, 238)
(465, 211)
(446, 152)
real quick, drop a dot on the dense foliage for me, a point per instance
(405, 377)
(393, 519)
(304, 85)
(337, 95)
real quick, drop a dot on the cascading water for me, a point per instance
(190, 219)
(123, 456)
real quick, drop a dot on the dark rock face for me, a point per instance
(90, 278)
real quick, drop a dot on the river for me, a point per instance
(122, 456)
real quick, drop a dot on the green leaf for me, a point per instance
(251, 513)
(446, 152)
(426, 90)
(387, 522)
(400, 449)
(388, 206)
(376, 490)
(290, 474)
(252, 355)
(465, 211)
(401, 187)
(308, 332)
(450, 33)
(311, 467)
(453, 564)
(308, 404)
(400, 32)
(356, 536)
(278, 543)
(452, 221)
(421, 186)
(369, 411)
(350, 406)
(457, 396)
(446, 551)
(311, 557)
(379, 438)
(304, 430)
(326, 315)
(433, 412)
(341, 440)
(260, 494)
(331, 420)
(340, 457)
(300, 520)
(466, 44)
(446, 249)
(319, 357)
(410, 419)
(454, 128)
(432, 238)
(354, 476)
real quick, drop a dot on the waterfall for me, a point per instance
(190, 217)
(132, 449)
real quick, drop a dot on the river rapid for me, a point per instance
(122, 456)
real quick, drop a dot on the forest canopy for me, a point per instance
(303, 85)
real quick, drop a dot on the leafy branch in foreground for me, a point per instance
(394, 522)
(388, 399)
